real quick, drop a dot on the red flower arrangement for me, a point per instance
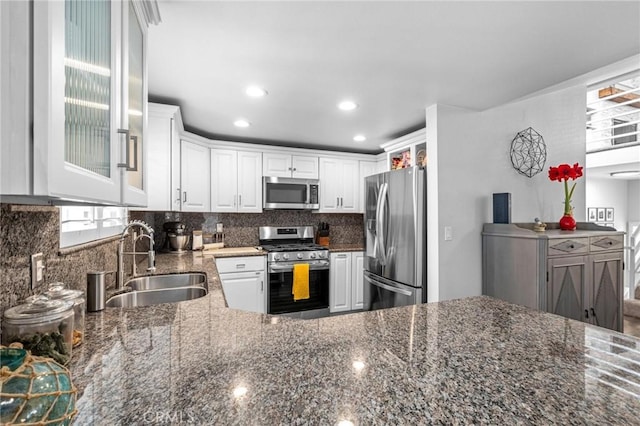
(564, 172)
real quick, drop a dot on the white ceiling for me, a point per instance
(393, 58)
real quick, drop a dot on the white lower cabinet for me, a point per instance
(244, 282)
(346, 284)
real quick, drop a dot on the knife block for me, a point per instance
(323, 241)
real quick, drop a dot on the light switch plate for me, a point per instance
(448, 233)
(37, 269)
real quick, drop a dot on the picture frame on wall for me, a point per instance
(592, 214)
(609, 214)
(601, 214)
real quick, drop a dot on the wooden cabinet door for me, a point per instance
(244, 290)
(304, 167)
(249, 182)
(330, 184)
(349, 195)
(605, 292)
(278, 165)
(367, 168)
(357, 280)
(566, 287)
(194, 177)
(340, 282)
(224, 182)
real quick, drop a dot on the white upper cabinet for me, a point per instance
(163, 186)
(236, 181)
(338, 185)
(284, 165)
(89, 103)
(367, 168)
(194, 177)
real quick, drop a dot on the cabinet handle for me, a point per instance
(337, 201)
(184, 197)
(586, 313)
(593, 313)
(179, 198)
(125, 165)
(341, 256)
(240, 200)
(261, 286)
(294, 169)
(134, 138)
(234, 200)
(341, 202)
(240, 265)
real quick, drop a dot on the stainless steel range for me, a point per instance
(287, 246)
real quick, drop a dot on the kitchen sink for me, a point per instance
(153, 297)
(155, 282)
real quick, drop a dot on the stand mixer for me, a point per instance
(176, 237)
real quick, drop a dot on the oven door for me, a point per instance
(380, 293)
(280, 284)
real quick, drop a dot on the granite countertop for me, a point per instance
(346, 247)
(477, 360)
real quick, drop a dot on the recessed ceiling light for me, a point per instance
(359, 138)
(347, 105)
(255, 92)
(626, 173)
(358, 365)
(241, 123)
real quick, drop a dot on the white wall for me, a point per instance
(633, 191)
(472, 161)
(610, 193)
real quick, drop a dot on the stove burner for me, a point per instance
(293, 247)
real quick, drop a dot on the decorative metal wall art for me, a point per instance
(528, 152)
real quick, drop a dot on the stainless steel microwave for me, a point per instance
(290, 193)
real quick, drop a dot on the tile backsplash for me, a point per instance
(26, 230)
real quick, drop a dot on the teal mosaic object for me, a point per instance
(34, 390)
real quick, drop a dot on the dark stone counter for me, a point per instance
(469, 361)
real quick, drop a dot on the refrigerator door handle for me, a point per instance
(380, 225)
(388, 287)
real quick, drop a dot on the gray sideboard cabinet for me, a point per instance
(575, 274)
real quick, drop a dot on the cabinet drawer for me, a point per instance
(240, 264)
(608, 242)
(567, 246)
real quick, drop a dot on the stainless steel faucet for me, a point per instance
(151, 265)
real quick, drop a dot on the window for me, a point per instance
(624, 132)
(82, 224)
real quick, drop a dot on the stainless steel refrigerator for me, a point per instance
(395, 263)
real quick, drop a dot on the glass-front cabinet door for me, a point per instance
(134, 110)
(89, 101)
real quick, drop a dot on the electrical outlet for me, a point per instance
(37, 269)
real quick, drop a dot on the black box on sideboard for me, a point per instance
(502, 207)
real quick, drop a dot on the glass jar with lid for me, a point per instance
(43, 326)
(60, 291)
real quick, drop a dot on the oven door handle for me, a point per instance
(388, 287)
(289, 268)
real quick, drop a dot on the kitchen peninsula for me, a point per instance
(476, 360)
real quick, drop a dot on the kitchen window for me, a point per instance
(82, 224)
